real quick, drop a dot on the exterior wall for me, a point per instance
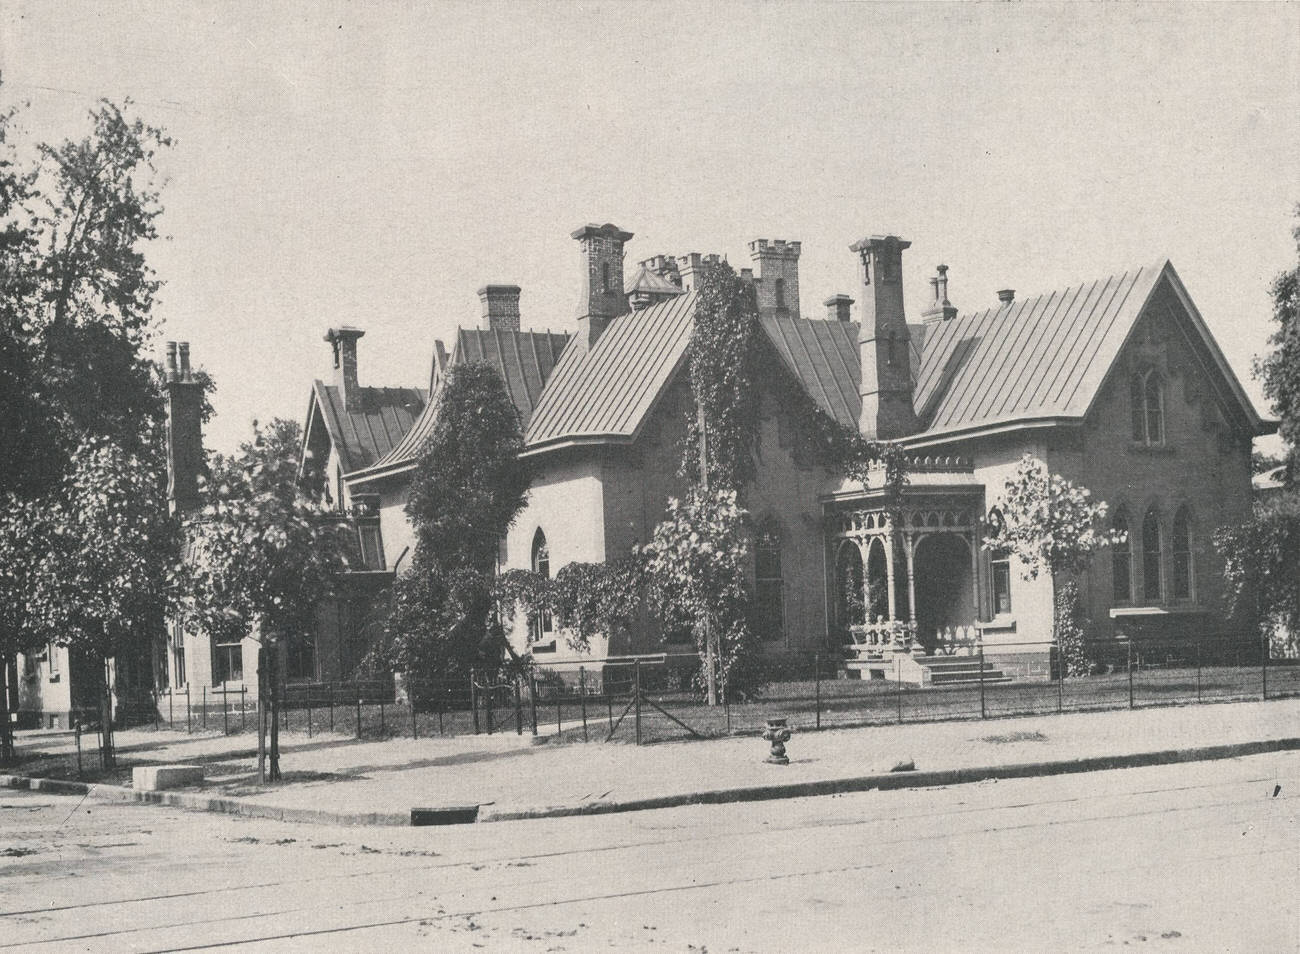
(45, 697)
(394, 528)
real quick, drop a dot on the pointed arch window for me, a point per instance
(543, 626)
(851, 607)
(1152, 584)
(1147, 394)
(1121, 556)
(1184, 577)
(768, 584)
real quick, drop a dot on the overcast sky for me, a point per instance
(375, 164)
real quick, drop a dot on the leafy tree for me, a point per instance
(469, 486)
(22, 547)
(1051, 524)
(1280, 369)
(1262, 570)
(265, 553)
(104, 585)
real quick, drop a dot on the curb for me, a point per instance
(878, 782)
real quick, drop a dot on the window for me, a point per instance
(227, 662)
(1147, 395)
(604, 276)
(301, 660)
(1151, 582)
(1182, 546)
(768, 587)
(779, 289)
(543, 627)
(851, 605)
(1121, 556)
(52, 660)
(178, 654)
(372, 546)
(1001, 566)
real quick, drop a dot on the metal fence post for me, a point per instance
(331, 705)
(171, 694)
(983, 713)
(225, 711)
(242, 705)
(721, 682)
(442, 704)
(189, 724)
(358, 711)
(1198, 670)
(609, 704)
(203, 713)
(1060, 680)
(582, 699)
(491, 722)
(410, 699)
(382, 729)
(309, 711)
(636, 687)
(559, 702)
(817, 676)
(1130, 673)
(898, 681)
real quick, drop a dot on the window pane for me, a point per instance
(1001, 586)
(1182, 555)
(1122, 575)
(1139, 410)
(1155, 410)
(767, 596)
(1151, 557)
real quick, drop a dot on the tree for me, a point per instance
(469, 486)
(1051, 524)
(265, 553)
(1262, 571)
(104, 584)
(23, 545)
(1279, 370)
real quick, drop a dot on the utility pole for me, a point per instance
(710, 649)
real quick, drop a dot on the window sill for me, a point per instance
(544, 648)
(1175, 609)
(998, 624)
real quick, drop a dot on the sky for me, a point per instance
(375, 164)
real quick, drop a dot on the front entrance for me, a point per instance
(945, 600)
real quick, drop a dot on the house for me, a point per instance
(1115, 383)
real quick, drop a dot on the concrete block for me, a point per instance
(154, 778)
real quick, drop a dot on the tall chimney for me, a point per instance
(941, 309)
(837, 308)
(777, 284)
(601, 299)
(883, 341)
(344, 342)
(184, 429)
(500, 307)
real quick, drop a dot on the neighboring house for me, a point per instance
(1116, 383)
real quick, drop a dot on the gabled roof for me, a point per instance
(823, 356)
(607, 392)
(650, 283)
(524, 359)
(363, 436)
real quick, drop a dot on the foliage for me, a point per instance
(695, 565)
(584, 599)
(1280, 369)
(1048, 522)
(469, 486)
(722, 359)
(1262, 570)
(76, 296)
(265, 553)
(1071, 629)
(22, 546)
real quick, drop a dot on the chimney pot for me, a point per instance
(183, 353)
(500, 307)
(1007, 295)
(169, 367)
(837, 308)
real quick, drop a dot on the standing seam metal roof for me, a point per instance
(364, 436)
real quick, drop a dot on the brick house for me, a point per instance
(1116, 383)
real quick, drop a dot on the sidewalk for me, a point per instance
(334, 778)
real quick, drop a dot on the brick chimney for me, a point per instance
(184, 429)
(941, 308)
(884, 341)
(777, 283)
(500, 307)
(1006, 295)
(601, 299)
(691, 266)
(344, 342)
(837, 308)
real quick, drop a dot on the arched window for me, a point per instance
(1147, 394)
(604, 276)
(768, 586)
(543, 626)
(1151, 582)
(1121, 556)
(780, 292)
(1182, 546)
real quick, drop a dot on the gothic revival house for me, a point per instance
(1116, 383)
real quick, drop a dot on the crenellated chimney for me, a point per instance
(838, 308)
(601, 298)
(184, 429)
(777, 283)
(1006, 295)
(941, 309)
(692, 265)
(500, 307)
(884, 343)
(344, 342)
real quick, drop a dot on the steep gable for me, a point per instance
(364, 435)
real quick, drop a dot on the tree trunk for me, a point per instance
(273, 690)
(106, 719)
(6, 714)
(261, 715)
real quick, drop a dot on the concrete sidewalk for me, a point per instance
(334, 778)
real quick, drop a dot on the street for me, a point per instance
(1195, 857)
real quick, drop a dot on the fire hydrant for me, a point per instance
(778, 733)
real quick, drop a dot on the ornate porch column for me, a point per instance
(889, 573)
(975, 570)
(909, 545)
